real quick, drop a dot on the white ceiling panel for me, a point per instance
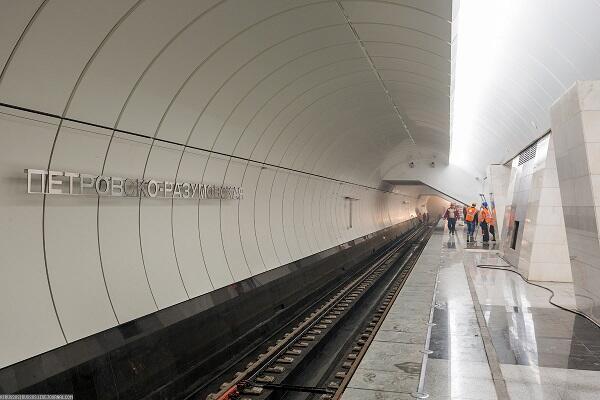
(513, 60)
(265, 79)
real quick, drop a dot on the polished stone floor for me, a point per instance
(458, 367)
(391, 368)
(517, 346)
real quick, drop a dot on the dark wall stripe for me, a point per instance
(168, 351)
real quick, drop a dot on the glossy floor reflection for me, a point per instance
(526, 329)
(458, 367)
(480, 246)
(543, 337)
(543, 351)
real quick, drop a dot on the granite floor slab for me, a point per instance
(391, 368)
(537, 350)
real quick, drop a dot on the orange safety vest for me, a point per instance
(485, 215)
(471, 211)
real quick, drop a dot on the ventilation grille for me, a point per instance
(527, 154)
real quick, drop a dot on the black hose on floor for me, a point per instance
(511, 268)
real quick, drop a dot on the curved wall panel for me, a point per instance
(75, 272)
(209, 225)
(155, 233)
(276, 226)
(54, 51)
(27, 300)
(118, 234)
(110, 260)
(275, 96)
(185, 228)
(512, 67)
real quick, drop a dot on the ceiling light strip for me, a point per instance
(375, 71)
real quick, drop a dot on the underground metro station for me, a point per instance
(300, 199)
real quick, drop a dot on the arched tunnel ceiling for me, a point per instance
(514, 59)
(288, 82)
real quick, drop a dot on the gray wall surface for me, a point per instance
(76, 265)
(275, 96)
(575, 123)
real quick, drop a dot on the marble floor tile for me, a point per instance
(390, 356)
(402, 317)
(400, 337)
(579, 394)
(541, 336)
(386, 381)
(564, 293)
(459, 354)
(368, 394)
(459, 387)
(531, 391)
(465, 369)
(405, 326)
(411, 308)
(469, 330)
(546, 353)
(410, 304)
(589, 380)
(586, 332)
(534, 375)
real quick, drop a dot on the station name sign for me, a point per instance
(77, 184)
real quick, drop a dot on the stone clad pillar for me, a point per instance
(544, 251)
(576, 130)
(534, 236)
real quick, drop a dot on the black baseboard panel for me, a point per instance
(167, 354)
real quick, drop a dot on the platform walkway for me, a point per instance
(493, 336)
(391, 367)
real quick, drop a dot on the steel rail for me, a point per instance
(258, 376)
(393, 291)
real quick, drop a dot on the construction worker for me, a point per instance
(485, 218)
(451, 215)
(492, 225)
(493, 232)
(470, 214)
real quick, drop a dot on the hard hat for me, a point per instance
(484, 204)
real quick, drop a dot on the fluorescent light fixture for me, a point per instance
(483, 28)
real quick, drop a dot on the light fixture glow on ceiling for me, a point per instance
(482, 31)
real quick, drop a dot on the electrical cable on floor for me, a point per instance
(511, 268)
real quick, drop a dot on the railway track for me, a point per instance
(317, 356)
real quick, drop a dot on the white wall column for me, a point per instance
(544, 254)
(539, 249)
(576, 129)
